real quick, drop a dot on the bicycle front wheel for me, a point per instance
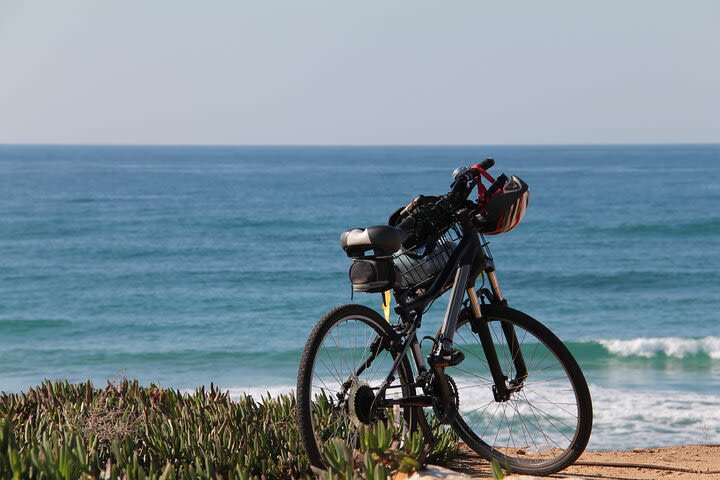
(333, 399)
(545, 424)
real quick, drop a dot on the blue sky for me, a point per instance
(359, 72)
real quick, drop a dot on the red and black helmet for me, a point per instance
(503, 204)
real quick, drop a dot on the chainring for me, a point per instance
(443, 414)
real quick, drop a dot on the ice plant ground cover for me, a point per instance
(70, 431)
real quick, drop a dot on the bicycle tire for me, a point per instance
(529, 458)
(311, 438)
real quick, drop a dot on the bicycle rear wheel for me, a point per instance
(545, 425)
(333, 402)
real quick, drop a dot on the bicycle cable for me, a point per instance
(428, 337)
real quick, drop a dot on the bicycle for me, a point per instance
(520, 397)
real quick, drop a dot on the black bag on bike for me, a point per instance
(373, 275)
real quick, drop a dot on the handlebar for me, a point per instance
(487, 164)
(449, 203)
(464, 183)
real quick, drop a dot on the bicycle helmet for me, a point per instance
(503, 206)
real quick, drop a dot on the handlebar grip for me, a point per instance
(487, 163)
(411, 206)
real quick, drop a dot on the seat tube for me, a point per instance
(417, 354)
(454, 304)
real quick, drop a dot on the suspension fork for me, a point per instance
(510, 336)
(503, 386)
(509, 331)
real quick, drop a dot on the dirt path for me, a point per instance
(693, 457)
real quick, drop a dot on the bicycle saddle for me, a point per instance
(383, 239)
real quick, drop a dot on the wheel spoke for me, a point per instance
(324, 387)
(530, 372)
(336, 375)
(547, 400)
(490, 421)
(486, 381)
(499, 425)
(548, 416)
(477, 341)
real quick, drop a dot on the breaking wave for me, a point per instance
(676, 347)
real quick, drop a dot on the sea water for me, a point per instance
(183, 266)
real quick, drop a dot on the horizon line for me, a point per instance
(353, 145)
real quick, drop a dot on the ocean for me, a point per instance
(182, 266)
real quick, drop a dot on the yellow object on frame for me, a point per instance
(386, 305)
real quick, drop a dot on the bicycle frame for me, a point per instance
(467, 261)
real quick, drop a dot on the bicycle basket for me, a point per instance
(419, 267)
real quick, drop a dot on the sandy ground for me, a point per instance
(693, 457)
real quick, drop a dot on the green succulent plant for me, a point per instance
(59, 430)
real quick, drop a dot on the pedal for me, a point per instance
(448, 357)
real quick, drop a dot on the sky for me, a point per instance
(359, 72)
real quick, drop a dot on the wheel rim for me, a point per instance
(338, 410)
(538, 426)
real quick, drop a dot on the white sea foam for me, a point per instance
(257, 392)
(642, 418)
(632, 417)
(623, 418)
(261, 392)
(670, 346)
